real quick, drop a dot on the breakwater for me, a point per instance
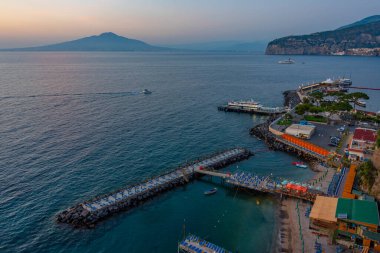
(274, 142)
(88, 213)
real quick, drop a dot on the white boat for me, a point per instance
(344, 82)
(250, 104)
(146, 91)
(254, 107)
(288, 61)
(211, 191)
(360, 103)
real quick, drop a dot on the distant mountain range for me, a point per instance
(359, 38)
(112, 42)
(103, 42)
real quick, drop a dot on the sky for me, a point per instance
(170, 22)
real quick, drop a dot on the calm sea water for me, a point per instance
(74, 125)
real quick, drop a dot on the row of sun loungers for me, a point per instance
(194, 244)
(333, 189)
(250, 181)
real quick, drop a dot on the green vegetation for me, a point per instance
(360, 116)
(343, 103)
(315, 118)
(286, 120)
(378, 139)
(367, 174)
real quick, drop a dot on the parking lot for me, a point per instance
(322, 135)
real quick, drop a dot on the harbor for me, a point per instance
(88, 213)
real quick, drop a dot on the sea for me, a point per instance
(76, 125)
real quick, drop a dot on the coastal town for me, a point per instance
(341, 144)
(334, 211)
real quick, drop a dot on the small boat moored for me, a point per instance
(360, 103)
(211, 191)
(299, 164)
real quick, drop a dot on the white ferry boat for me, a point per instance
(251, 106)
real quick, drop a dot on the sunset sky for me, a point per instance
(38, 22)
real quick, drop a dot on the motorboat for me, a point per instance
(360, 103)
(299, 164)
(211, 191)
(146, 91)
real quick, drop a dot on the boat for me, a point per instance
(288, 61)
(360, 103)
(211, 191)
(344, 82)
(251, 106)
(299, 164)
(146, 91)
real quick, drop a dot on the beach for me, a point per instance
(293, 222)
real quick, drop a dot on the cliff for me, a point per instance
(359, 39)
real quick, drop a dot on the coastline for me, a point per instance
(287, 228)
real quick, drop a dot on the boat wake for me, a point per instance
(120, 93)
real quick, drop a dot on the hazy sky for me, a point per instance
(35, 22)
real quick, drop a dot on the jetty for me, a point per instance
(88, 213)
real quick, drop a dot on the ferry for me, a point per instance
(251, 106)
(344, 82)
(288, 61)
(211, 191)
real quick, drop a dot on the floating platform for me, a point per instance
(88, 213)
(194, 244)
(261, 111)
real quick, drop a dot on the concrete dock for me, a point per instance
(88, 213)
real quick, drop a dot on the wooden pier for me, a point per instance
(88, 213)
(267, 184)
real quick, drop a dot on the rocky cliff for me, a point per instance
(363, 39)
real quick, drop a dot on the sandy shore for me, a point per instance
(291, 227)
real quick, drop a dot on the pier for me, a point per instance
(88, 213)
(268, 184)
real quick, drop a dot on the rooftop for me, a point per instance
(365, 134)
(324, 209)
(302, 127)
(357, 210)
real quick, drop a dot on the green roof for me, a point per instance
(357, 210)
(371, 235)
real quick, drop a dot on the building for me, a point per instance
(346, 221)
(358, 222)
(322, 216)
(363, 140)
(301, 131)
